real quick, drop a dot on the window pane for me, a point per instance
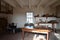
(29, 17)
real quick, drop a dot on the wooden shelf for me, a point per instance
(6, 8)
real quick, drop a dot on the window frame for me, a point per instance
(26, 16)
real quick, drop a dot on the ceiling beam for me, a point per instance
(50, 3)
(20, 3)
(10, 2)
(39, 4)
(55, 4)
(29, 6)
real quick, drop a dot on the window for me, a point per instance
(29, 16)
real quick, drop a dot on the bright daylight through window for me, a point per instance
(29, 16)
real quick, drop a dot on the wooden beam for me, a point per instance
(55, 4)
(3, 12)
(10, 3)
(29, 4)
(51, 2)
(20, 3)
(39, 4)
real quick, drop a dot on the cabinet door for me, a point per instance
(3, 24)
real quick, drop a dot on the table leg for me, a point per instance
(47, 36)
(22, 35)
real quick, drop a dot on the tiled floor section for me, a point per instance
(18, 36)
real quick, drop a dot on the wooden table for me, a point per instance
(44, 31)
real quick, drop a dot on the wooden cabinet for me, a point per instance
(3, 25)
(5, 7)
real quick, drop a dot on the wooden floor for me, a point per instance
(18, 36)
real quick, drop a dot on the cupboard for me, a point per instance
(5, 8)
(3, 24)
